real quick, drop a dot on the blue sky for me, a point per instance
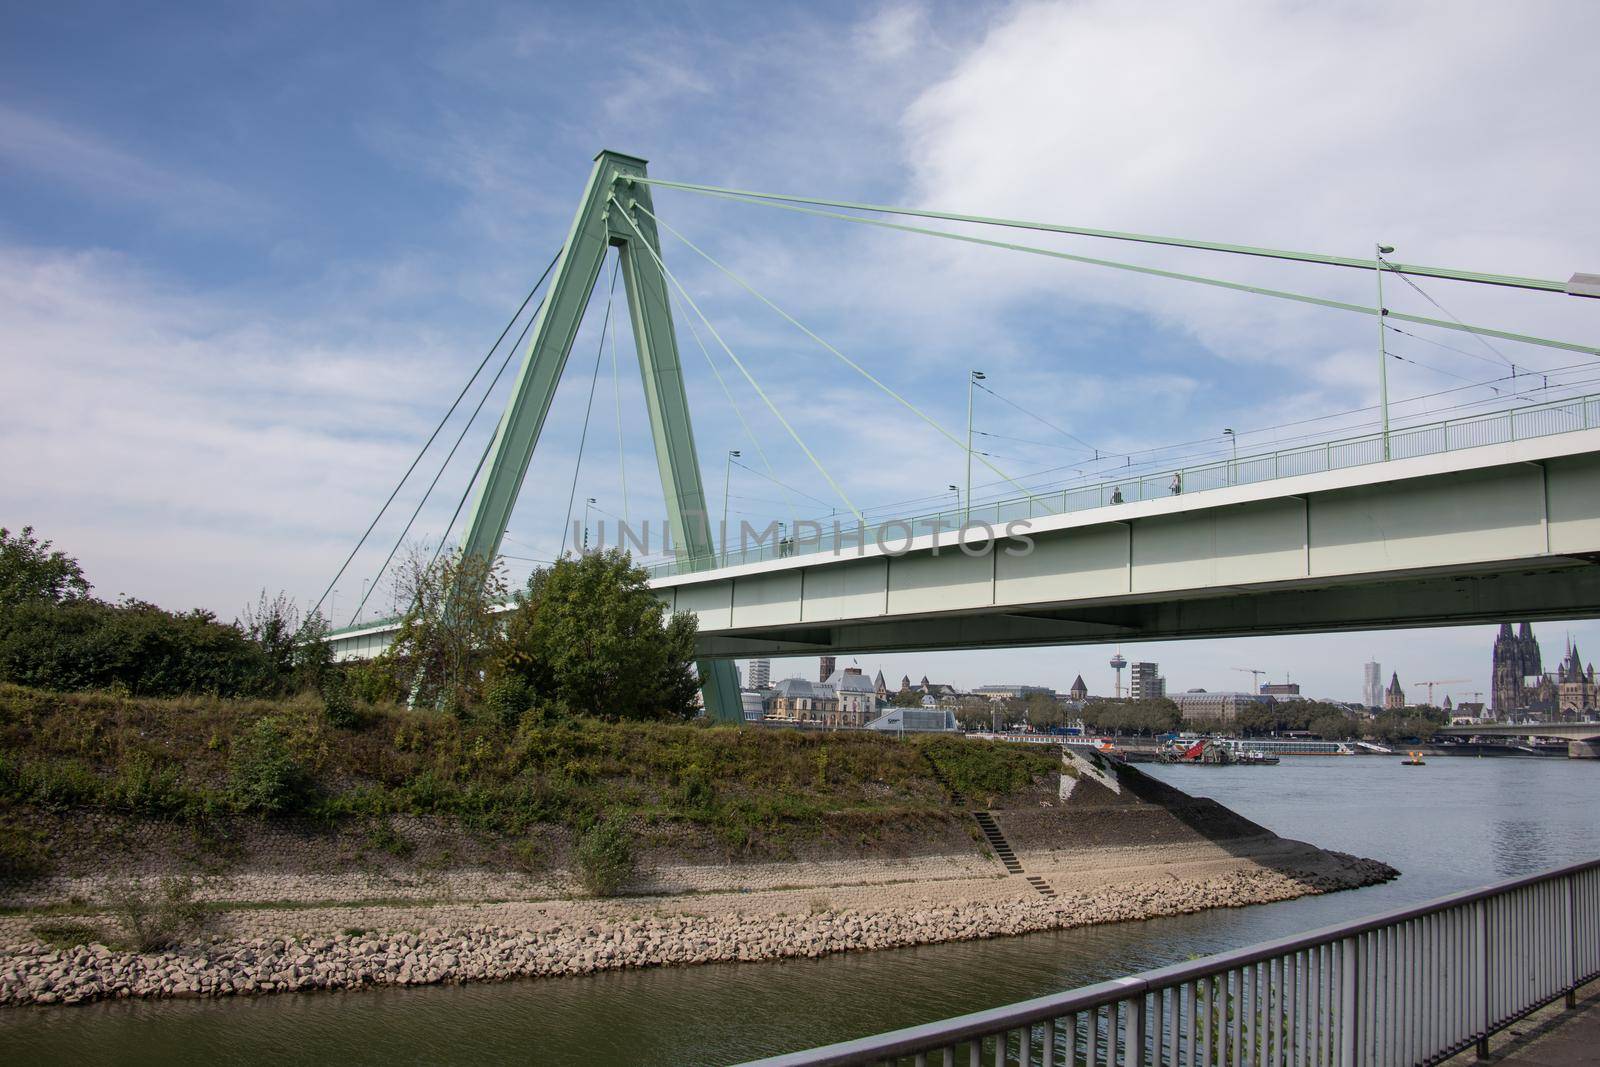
(248, 255)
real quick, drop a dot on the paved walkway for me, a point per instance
(1550, 1037)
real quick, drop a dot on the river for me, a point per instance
(1454, 824)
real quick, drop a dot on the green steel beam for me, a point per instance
(591, 234)
(1573, 288)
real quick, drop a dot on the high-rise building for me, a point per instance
(1145, 682)
(826, 668)
(1372, 685)
(760, 674)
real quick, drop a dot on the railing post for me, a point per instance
(1481, 937)
(1133, 1034)
(1572, 947)
(1349, 997)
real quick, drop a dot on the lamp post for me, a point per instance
(1383, 346)
(973, 378)
(1233, 467)
(727, 474)
(587, 504)
(956, 489)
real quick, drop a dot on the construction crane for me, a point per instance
(1255, 677)
(1438, 681)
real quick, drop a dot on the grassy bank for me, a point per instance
(196, 759)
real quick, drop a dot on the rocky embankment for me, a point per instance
(31, 973)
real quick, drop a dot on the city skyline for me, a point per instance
(1325, 665)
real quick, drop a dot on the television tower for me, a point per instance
(1117, 663)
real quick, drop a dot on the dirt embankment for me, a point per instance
(288, 905)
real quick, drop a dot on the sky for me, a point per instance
(249, 255)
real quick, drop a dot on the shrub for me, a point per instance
(506, 697)
(68, 933)
(338, 706)
(605, 857)
(152, 925)
(143, 788)
(22, 855)
(263, 773)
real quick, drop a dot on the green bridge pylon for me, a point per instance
(594, 230)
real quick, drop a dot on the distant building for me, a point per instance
(1281, 690)
(856, 696)
(1079, 691)
(760, 674)
(797, 700)
(1145, 682)
(1394, 698)
(1010, 692)
(754, 702)
(1197, 704)
(916, 721)
(826, 665)
(1372, 685)
(881, 688)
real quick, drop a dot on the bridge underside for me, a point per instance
(1504, 532)
(1534, 589)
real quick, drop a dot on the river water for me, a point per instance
(1455, 824)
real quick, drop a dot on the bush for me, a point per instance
(22, 855)
(162, 923)
(143, 788)
(605, 857)
(263, 773)
(506, 697)
(68, 933)
(338, 706)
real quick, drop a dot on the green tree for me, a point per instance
(588, 634)
(450, 630)
(33, 572)
(907, 698)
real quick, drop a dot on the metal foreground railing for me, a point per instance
(1426, 439)
(1414, 986)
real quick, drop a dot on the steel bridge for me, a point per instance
(1470, 519)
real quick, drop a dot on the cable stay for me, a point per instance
(1479, 277)
(645, 244)
(504, 363)
(811, 334)
(577, 467)
(679, 316)
(436, 430)
(1198, 279)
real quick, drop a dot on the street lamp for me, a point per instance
(727, 473)
(1233, 468)
(956, 489)
(1383, 346)
(587, 504)
(973, 378)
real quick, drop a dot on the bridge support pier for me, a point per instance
(1583, 749)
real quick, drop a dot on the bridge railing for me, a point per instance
(1408, 987)
(1447, 435)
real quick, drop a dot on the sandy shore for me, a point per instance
(274, 934)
